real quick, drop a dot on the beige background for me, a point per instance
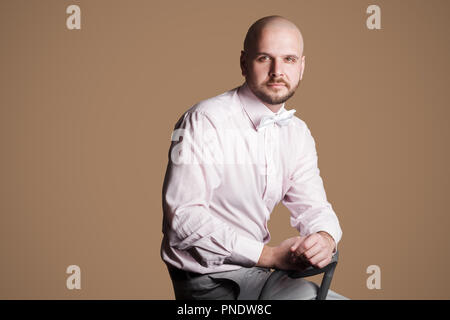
(86, 118)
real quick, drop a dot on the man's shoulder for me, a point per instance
(299, 124)
(217, 107)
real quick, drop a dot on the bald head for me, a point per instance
(270, 23)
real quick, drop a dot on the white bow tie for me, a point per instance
(281, 119)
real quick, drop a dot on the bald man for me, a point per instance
(235, 156)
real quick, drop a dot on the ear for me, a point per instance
(302, 68)
(243, 63)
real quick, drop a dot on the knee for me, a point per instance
(282, 287)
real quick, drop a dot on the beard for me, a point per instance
(272, 95)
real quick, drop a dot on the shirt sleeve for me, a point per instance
(193, 174)
(306, 198)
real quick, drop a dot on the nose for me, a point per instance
(275, 69)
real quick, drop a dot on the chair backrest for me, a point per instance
(328, 272)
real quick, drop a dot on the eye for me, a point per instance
(263, 58)
(291, 59)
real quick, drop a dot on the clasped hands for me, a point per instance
(298, 253)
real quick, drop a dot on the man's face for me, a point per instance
(273, 67)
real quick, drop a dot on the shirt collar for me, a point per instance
(254, 108)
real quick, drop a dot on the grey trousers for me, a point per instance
(248, 284)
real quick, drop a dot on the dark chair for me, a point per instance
(328, 271)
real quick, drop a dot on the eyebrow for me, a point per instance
(267, 54)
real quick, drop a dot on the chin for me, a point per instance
(276, 96)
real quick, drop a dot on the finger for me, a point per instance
(308, 243)
(319, 257)
(324, 263)
(296, 244)
(298, 262)
(293, 258)
(311, 252)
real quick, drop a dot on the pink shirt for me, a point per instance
(224, 177)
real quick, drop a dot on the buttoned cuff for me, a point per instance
(246, 252)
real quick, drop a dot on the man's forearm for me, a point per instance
(266, 259)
